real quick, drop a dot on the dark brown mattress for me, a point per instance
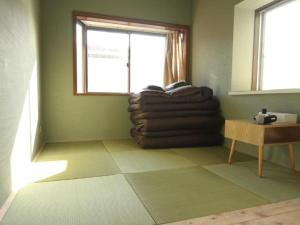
(178, 123)
(136, 115)
(181, 117)
(184, 95)
(212, 104)
(172, 133)
(179, 141)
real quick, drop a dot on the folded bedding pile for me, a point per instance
(180, 115)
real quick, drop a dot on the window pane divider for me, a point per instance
(85, 56)
(129, 63)
(256, 50)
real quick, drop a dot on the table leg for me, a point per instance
(231, 151)
(260, 159)
(292, 157)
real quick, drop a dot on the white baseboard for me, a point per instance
(7, 204)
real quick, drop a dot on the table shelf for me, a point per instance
(261, 135)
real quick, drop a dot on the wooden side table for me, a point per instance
(262, 135)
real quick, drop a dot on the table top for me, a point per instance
(272, 125)
(250, 132)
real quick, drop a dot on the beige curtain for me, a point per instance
(175, 65)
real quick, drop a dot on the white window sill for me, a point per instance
(284, 91)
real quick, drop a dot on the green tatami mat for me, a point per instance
(119, 145)
(210, 155)
(131, 158)
(277, 183)
(73, 147)
(149, 160)
(174, 195)
(93, 201)
(75, 160)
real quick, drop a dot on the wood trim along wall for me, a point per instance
(74, 22)
(11, 197)
(272, 5)
(126, 20)
(38, 152)
(77, 16)
(186, 51)
(102, 94)
(7, 204)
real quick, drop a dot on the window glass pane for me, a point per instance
(79, 52)
(147, 60)
(107, 61)
(281, 47)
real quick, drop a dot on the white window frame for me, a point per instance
(257, 64)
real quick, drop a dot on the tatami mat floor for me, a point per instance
(116, 183)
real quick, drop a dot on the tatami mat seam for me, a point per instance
(80, 178)
(167, 169)
(111, 156)
(260, 196)
(133, 189)
(169, 149)
(140, 199)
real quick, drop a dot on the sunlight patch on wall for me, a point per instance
(23, 170)
(21, 153)
(34, 106)
(26, 133)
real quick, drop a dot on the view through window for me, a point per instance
(278, 64)
(116, 56)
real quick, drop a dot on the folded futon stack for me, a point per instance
(177, 116)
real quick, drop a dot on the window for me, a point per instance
(277, 46)
(114, 55)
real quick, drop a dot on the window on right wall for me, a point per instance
(276, 63)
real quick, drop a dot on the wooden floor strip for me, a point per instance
(289, 218)
(283, 213)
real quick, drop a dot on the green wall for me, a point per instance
(19, 91)
(212, 58)
(68, 117)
